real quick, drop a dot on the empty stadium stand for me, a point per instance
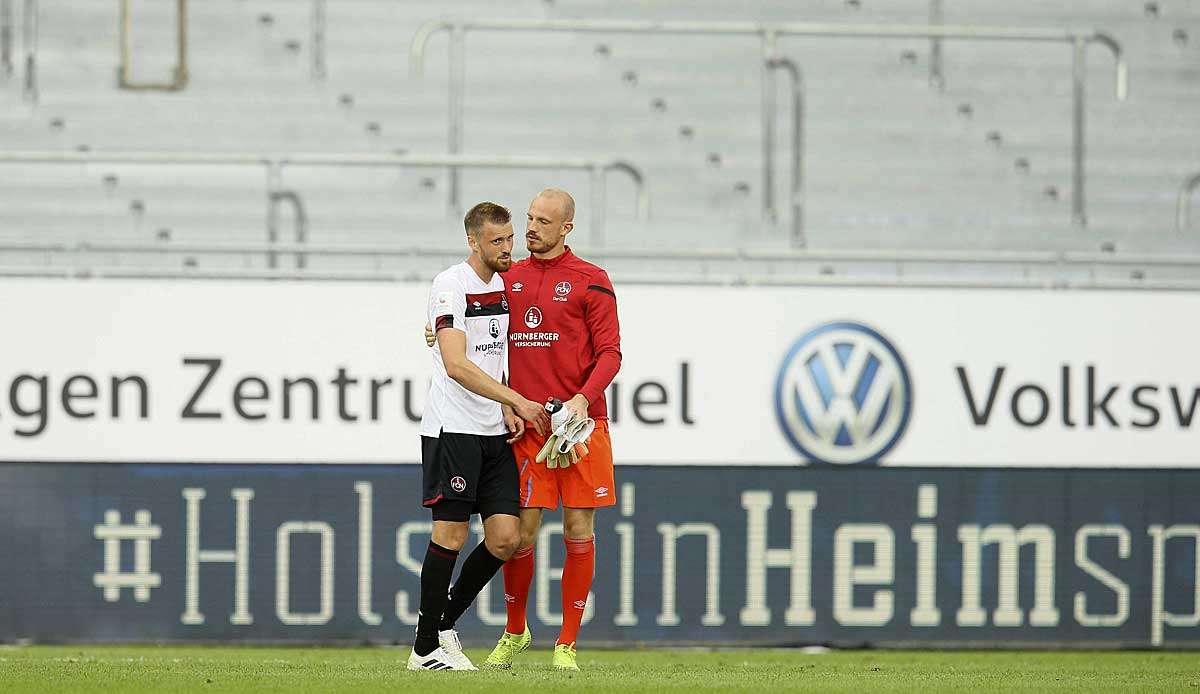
(907, 177)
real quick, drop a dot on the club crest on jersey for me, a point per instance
(533, 317)
(561, 290)
(494, 328)
(458, 484)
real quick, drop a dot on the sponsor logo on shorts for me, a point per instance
(601, 491)
(458, 484)
(580, 604)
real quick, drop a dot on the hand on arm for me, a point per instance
(453, 346)
(515, 424)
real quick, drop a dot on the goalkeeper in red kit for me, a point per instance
(564, 342)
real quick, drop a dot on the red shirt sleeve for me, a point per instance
(600, 312)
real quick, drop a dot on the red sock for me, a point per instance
(576, 582)
(518, 574)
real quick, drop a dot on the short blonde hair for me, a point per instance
(485, 213)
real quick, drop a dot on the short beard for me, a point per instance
(542, 247)
(498, 265)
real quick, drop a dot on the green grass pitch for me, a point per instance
(300, 670)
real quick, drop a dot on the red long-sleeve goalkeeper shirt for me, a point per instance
(563, 337)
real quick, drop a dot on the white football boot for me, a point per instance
(437, 660)
(448, 640)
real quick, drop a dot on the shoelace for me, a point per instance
(457, 655)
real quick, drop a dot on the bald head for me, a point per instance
(551, 217)
(565, 201)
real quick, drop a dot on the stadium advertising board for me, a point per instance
(1086, 557)
(237, 372)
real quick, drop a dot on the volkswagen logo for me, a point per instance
(843, 395)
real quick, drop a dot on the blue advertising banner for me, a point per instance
(708, 555)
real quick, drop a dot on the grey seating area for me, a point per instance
(904, 179)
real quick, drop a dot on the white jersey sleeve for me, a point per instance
(447, 304)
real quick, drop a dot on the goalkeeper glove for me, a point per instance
(567, 431)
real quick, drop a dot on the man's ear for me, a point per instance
(567, 227)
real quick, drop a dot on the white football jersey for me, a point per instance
(459, 300)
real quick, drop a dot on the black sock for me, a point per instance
(477, 570)
(435, 580)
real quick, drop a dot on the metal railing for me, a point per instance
(6, 38)
(737, 267)
(29, 43)
(1183, 203)
(769, 35)
(796, 192)
(318, 23)
(274, 166)
(937, 78)
(318, 40)
(179, 75)
(300, 224)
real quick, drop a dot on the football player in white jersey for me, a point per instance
(467, 462)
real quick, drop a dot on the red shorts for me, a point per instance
(586, 484)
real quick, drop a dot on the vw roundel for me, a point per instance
(843, 395)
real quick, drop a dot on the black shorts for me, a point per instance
(469, 473)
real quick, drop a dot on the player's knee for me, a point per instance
(455, 541)
(503, 545)
(450, 535)
(531, 523)
(578, 526)
(527, 536)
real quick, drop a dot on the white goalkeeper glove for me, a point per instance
(576, 430)
(567, 432)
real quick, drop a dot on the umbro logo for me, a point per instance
(580, 604)
(601, 491)
(517, 287)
